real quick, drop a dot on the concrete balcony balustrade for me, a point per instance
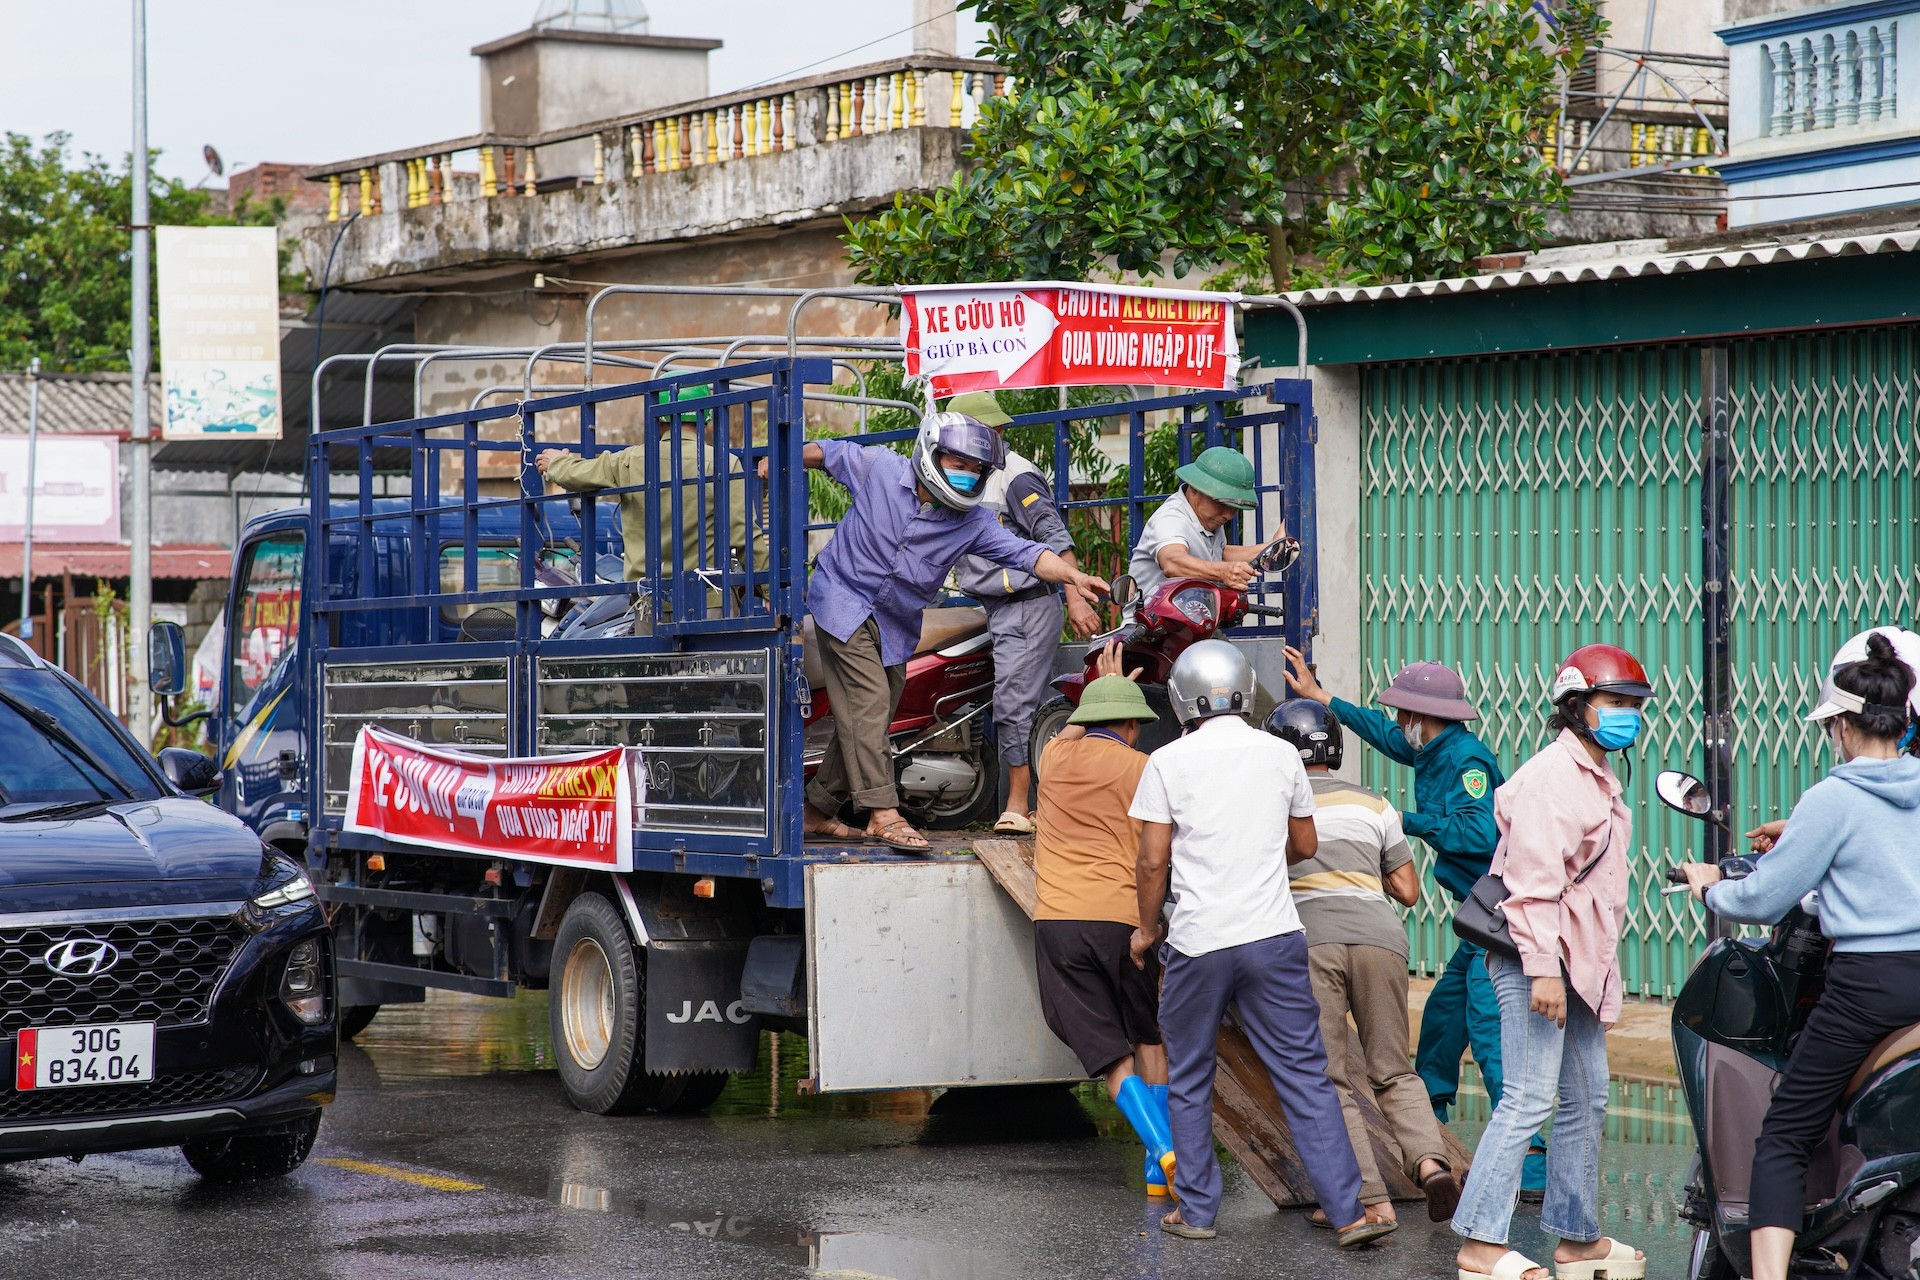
(1824, 112)
(775, 155)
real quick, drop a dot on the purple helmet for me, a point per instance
(962, 437)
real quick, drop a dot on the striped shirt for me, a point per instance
(1341, 891)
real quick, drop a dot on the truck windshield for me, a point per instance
(59, 751)
(266, 615)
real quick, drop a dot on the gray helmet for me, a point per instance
(963, 437)
(1211, 679)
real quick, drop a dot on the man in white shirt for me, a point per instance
(1226, 808)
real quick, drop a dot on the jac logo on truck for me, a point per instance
(710, 1012)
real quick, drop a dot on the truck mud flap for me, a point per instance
(695, 1021)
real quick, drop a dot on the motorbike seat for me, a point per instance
(1894, 1047)
(939, 629)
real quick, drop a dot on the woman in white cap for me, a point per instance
(1850, 838)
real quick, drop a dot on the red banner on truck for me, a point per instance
(572, 810)
(1048, 334)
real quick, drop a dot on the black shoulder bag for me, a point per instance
(1482, 918)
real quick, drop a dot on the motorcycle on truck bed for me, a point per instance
(719, 920)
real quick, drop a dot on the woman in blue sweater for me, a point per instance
(1852, 837)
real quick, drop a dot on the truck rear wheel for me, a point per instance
(355, 1018)
(597, 1012)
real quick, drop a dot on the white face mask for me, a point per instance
(1835, 729)
(1415, 733)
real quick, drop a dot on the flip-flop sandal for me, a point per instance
(1013, 824)
(1365, 1232)
(887, 837)
(1318, 1219)
(1442, 1191)
(836, 831)
(1174, 1225)
(1512, 1266)
(1619, 1264)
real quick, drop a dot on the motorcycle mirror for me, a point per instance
(1683, 793)
(1123, 590)
(1277, 556)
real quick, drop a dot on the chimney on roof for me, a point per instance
(581, 61)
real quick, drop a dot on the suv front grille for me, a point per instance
(168, 1093)
(165, 974)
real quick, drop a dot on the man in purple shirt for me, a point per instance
(909, 524)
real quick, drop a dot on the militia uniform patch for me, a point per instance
(1475, 781)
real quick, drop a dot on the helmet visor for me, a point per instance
(968, 438)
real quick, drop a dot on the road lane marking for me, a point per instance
(431, 1181)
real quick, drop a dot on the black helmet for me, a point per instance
(1311, 729)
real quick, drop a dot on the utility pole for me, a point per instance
(140, 571)
(26, 542)
(934, 28)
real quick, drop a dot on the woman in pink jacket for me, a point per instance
(1564, 835)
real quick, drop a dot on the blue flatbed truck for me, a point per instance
(901, 971)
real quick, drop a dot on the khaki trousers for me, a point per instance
(863, 692)
(1371, 984)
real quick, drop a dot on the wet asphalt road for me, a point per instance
(451, 1153)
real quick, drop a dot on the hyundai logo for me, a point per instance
(82, 957)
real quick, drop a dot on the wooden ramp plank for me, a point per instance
(1247, 1116)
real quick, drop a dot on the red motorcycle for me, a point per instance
(1179, 614)
(944, 761)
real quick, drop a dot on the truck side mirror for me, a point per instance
(167, 659)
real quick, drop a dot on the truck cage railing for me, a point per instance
(725, 573)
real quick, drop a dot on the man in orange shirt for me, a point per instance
(1095, 999)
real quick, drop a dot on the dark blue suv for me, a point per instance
(165, 978)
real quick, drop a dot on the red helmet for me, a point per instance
(1595, 668)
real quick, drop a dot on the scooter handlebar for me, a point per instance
(1265, 610)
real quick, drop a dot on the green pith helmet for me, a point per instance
(982, 406)
(1222, 474)
(1112, 698)
(697, 391)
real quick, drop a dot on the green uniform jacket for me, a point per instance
(629, 467)
(1454, 778)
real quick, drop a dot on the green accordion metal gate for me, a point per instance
(1516, 507)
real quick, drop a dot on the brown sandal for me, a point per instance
(888, 836)
(1442, 1191)
(835, 830)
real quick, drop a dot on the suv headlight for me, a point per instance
(290, 885)
(303, 987)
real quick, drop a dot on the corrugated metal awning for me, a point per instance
(1595, 263)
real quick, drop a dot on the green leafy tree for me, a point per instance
(66, 257)
(1379, 138)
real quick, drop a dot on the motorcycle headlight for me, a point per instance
(1197, 604)
(553, 606)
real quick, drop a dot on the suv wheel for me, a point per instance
(252, 1157)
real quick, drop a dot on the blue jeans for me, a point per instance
(1462, 1013)
(1270, 987)
(1543, 1062)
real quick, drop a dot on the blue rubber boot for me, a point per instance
(1149, 1122)
(1156, 1176)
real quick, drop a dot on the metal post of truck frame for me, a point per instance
(140, 570)
(1716, 685)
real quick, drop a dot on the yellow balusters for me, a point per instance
(489, 180)
(919, 81)
(660, 161)
(895, 114)
(713, 138)
(957, 92)
(366, 192)
(333, 198)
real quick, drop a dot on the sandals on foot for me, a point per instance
(890, 836)
(1175, 1225)
(1013, 824)
(835, 830)
(1619, 1264)
(1364, 1232)
(1442, 1191)
(1512, 1266)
